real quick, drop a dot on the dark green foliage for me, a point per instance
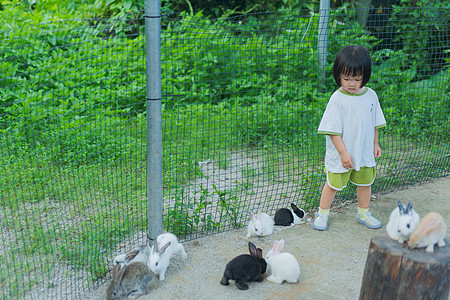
(430, 31)
(218, 8)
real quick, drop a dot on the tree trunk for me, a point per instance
(394, 271)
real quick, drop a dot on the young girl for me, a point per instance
(351, 122)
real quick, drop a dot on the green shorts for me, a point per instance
(364, 177)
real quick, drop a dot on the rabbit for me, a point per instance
(288, 217)
(165, 246)
(431, 230)
(245, 267)
(283, 265)
(131, 280)
(139, 254)
(402, 222)
(260, 224)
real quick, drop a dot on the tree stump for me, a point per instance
(394, 271)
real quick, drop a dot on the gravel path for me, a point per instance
(331, 262)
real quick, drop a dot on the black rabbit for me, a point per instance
(245, 267)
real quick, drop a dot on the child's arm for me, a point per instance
(346, 158)
(376, 147)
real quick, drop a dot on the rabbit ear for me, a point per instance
(275, 247)
(164, 247)
(259, 212)
(253, 216)
(278, 246)
(115, 270)
(118, 272)
(401, 208)
(252, 249)
(259, 253)
(409, 208)
(299, 212)
(121, 271)
(131, 255)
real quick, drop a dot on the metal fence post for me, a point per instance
(154, 128)
(324, 15)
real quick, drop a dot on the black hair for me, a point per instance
(352, 60)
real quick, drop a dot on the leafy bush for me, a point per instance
(242, 47)
(420, 29)
(222, 8)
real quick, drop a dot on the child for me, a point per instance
(351, 122)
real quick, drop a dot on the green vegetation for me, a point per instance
(73, 121)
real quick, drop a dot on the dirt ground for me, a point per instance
(331, 262)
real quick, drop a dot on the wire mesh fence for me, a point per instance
(242, 100)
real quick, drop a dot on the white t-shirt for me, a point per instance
(354, 117)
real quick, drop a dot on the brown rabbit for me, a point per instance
(431, 230)
(132, 280)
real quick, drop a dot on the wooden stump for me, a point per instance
(394, 271)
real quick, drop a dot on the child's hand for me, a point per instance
(376, 150)
(346, 160)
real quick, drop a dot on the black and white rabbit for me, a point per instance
(245, 268)
(288, 217)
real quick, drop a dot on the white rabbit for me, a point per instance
(283, 265)
(260, 224)
(139, 254)
(165, 246)
(431, 230)
(402, 222)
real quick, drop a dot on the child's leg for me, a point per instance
(364, 217)
(327, 197)
(364, 193)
